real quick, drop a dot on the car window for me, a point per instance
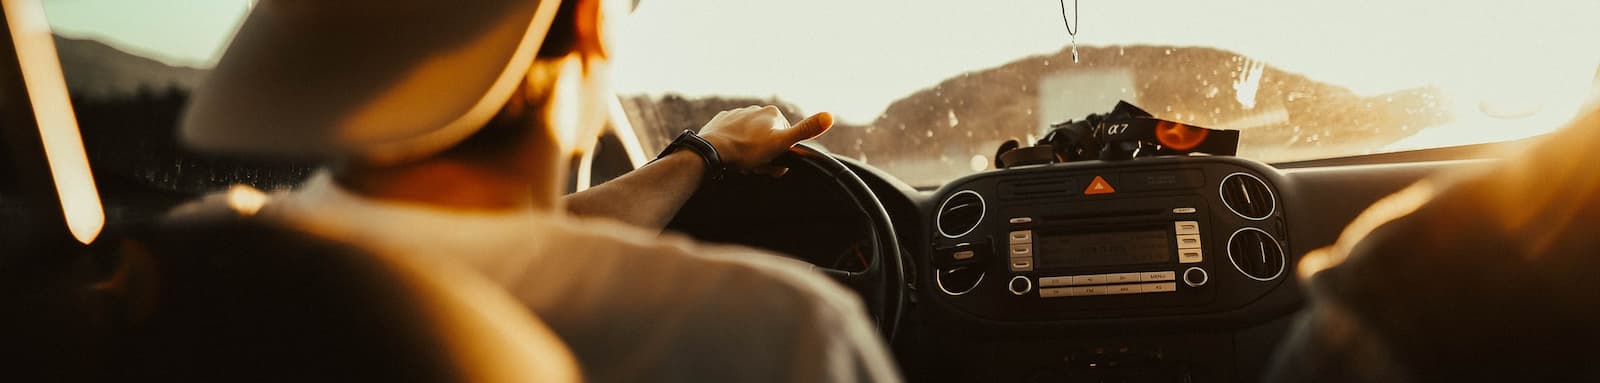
(927, 90)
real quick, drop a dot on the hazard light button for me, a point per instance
(1099, 186)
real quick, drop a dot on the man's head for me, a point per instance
(396, 81)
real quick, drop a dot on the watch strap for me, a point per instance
(694, 143)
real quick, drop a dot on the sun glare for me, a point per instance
(58, 128)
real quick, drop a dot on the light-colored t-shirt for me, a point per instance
(633, 305)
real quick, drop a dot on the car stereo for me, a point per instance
(1105, 239)
(1063, 252)
(1084, 249)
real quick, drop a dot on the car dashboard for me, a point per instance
(1054, 251)
(1085, 242)
(1166, 269)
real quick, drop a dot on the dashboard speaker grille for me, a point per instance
(1256, 254)
(1248, 196)
(960, 213)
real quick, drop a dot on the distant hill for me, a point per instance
(1290, 116)
(94, 69)
(127, 108)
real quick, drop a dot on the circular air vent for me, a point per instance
(1256, 254)
(958, 281)
(959, 214)
(1247, 196)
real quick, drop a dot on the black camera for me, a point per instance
(1126, 133)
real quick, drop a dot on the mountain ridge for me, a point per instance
(96, 69)
(1292, 114)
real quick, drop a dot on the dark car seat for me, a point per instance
(234, 299)
(1486, 276)
(222, 298)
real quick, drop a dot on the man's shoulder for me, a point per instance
(700, 306)
(612, 238)
(679, 264)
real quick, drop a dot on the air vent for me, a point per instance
(1256, 254)
(958, 281)
(1036, 188)
(1248, 196)
(959, 214)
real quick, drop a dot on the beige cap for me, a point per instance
(381, 80)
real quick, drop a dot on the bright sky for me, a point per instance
(854, 57)
(180, 32)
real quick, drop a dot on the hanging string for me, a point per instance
(1073, 33)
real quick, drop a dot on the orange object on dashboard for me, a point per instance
(1179, 136)
(1099, 186)
(1125, 133)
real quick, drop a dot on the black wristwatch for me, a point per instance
(689, 140)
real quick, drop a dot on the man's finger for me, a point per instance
(810, 127)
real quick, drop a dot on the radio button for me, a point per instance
(1195, 277)
(1122, 289)
(1020, 220)
(1159, 287)
(1190, 241)
(1055, 281)
(1187, 227)
(1189, 256)
(1096, 279)
(1055, 293)
(1086, 291)
(1021, 264)
(1022, 250)
(1156, 276)
(1021, 236)
(1121, 277)
(1020, 285)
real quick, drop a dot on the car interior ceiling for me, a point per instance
(989, 297)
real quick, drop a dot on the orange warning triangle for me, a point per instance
(1099, 186)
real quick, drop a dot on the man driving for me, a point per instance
(443, 129)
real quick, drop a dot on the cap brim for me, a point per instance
(384, 81)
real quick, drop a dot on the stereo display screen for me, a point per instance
(1062, 250)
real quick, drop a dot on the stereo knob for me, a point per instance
(1195, 277)
(1020, 285)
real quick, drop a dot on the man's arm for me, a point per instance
(746, 139)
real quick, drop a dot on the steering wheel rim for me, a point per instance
(882, 285)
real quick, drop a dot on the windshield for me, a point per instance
(927, 90)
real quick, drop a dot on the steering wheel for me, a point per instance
(881, 284)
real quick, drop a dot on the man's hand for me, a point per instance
(750, 137)
(747, 139)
